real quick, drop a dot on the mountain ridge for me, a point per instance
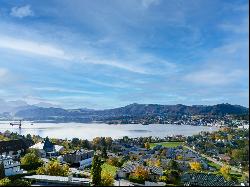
(134, 110)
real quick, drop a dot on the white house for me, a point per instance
(47, 149)
(10, 167)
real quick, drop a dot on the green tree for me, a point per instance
(54, 168)
(171, 177)
(108, 141)
(2, 172)
(172, 164)
(31, 161)
(34, 151)
(96, 171)
(17, 182)
(20, 182)
(107, 179)
(104, 153)
(5, 182)
(75, 142)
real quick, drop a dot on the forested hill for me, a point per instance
(132, 110)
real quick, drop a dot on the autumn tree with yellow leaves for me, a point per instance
(196, 166)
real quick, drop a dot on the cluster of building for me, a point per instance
(9, 166)
(135, 154)
(10, 152)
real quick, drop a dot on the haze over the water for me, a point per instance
(106, 54)
(92, 130)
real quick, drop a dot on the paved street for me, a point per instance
(123, 183)
(213, 160)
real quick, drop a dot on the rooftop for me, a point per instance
(59, 179)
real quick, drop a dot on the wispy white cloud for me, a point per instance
(115, 63)
(148, 3)
(108, 84)
(21, 12)
(33, 100)
(33, 47)
(137, 63)
(213, 78)
(241, 27)
(5, 76)
(3, 73)
(64, 90)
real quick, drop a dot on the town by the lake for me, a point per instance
(124, 93)
(218, 157)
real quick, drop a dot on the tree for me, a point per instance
(34, 151)
(104, 153)
(108, 141)
(114, 161)
(196, 166)
(28, 136)
(17, 182)
(20, 182)
(171, 177)
(75, 142)
(158, 163)
(5, 182)
(2, 171)
(96, 171)
(225, 171)
(31, 161)
(179, 157)
(172, 164)
(141, 173)
(85, 144)
(54, 168)
(96, 142)
(107, 179)
(147, 145)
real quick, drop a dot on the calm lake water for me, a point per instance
(91, 130)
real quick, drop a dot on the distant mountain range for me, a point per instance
(135, 111)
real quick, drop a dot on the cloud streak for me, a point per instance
(213, 78)
(21, 12)
(32, 47)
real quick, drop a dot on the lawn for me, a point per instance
(214, 165)
(166, 144)
(108, 168)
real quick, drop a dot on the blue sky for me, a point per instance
(110, 53)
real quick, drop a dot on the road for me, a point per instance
(215, 161)
(122, 182)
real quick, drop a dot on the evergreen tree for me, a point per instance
(96, 171)
(2, 172)
(104, 153)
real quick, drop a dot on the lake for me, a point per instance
(91, 130)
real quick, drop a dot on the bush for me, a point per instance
(53, 168)
(17, 182)
(107, 179)
(31, 161)
(136, 179)
(31, 166)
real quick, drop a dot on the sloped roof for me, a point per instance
(202, 179)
